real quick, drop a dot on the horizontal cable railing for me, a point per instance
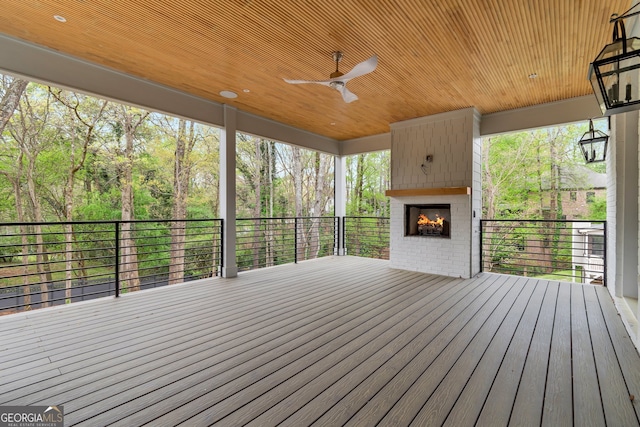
(53, 263)
(45, 264)
(573, 251)
(265, 242)
(366, 236)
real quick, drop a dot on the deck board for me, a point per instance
(529, 398)
(626, 354)
(224, 397)
(558, 397)
(501, 397)
(340, 403)
(404, 395)
(463, 375)
(512, 339)
(117, 356)
(335, 341)
(587, 402)
(234, 358)
(614, 394)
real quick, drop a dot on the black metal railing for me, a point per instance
(366, 236)
(564, 250)
(52, 263)
(265, 242)
(44, 264)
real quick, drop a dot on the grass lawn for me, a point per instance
(561, 275)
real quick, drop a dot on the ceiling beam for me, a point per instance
(43, 65)
(365, 144)
(542, 115)
(270, 129)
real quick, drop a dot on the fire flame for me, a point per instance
(423, 220)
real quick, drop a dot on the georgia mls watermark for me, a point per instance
(31, 416)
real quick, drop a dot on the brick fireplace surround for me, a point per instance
(452, 177)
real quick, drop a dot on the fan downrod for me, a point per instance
(337, 57)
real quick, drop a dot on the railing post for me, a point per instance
(343, 235)
(338, 236)
(221, 246)
(481, 246)
(604, 255)
(295, 240)
(117, 264)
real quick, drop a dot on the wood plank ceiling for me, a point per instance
(434, 55)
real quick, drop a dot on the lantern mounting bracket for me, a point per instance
(628, 14)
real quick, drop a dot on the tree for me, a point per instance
(10, 99)
(185, 140)
(368, 176)
(524, 175)
(126, 121)
(80, 125)
(29, 130)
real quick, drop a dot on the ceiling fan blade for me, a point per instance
(298, 82)
(347, 95)
(365, 67)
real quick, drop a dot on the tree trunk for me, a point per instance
(297, 184)
(555, 202)
(10, 101)
(269, 234)
(359, 182)
(130, 278)
(68, 236)
(17, 192)
(318, 205)
(488, 188)
(257, 208)
(181, 176)
(41, 254)
(74, 166)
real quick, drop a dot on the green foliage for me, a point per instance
(368, 176)
(525, 177)
(525, 173)
(598, 208)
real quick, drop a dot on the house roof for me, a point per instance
(579, 177)
(434, 56)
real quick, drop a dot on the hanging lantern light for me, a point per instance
(593, 145)
(615, 73)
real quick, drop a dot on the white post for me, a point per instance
(340, 198)
(228, 191)
(625, 132)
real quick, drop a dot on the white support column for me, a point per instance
(340, 198)
(228, 191)
(626, 257)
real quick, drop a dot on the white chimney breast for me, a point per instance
(453, 140)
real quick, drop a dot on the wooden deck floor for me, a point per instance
(330, 342)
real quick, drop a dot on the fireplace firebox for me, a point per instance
(428, 220)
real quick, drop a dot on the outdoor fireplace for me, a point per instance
(428, 220)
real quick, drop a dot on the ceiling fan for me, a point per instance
(338, 81)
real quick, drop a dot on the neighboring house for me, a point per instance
(588, 250)
(580, 186)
